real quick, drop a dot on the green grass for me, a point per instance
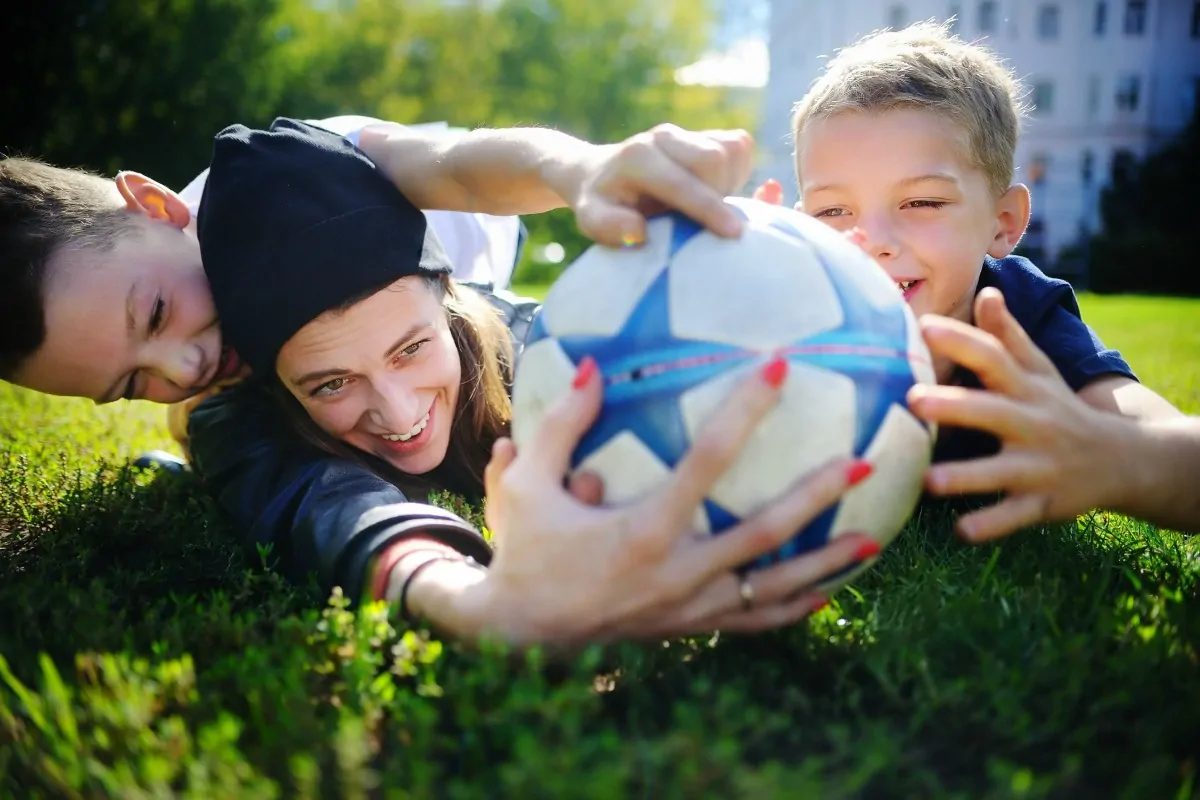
(144, 655)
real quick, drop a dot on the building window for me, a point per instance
(955, 19)
(1129, 90)
(987, 16)
(897, 17)
(1038, 168)
(1043, 98)
(1087, 167)
(1047, 25)
(1135, 17)
(1195, 26)
(1100, 19)
(1093, 96)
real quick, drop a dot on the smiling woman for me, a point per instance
(340, 301)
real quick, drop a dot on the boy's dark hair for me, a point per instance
(44, 208)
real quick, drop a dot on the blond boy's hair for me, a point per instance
(924, 66)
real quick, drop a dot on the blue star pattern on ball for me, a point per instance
(647, 368)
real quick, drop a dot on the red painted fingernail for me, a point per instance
(867, 550)
(823, 604)
(584, 372)
(858, 472)
(775, 372)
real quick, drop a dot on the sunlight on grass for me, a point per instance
(144, 653)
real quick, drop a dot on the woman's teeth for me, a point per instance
(404, 437)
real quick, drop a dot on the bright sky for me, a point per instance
(745, 63)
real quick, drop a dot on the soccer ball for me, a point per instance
(674, 324)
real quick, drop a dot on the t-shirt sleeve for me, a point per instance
(1076, 349)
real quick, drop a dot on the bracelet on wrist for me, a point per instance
(399, 582)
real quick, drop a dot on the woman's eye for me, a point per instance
(330, 387)
(413, 348)
(156, 316)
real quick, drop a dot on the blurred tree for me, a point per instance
(111, 84)
(1148, 209)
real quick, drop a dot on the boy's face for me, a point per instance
(134, 321)
(927, 216)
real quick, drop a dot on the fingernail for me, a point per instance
(631, 239)
(858, 472)
(823, 604)
(584, 372)
(867, 550)
(775, 372)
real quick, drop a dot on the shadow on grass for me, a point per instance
(115, 560)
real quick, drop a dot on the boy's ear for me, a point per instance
(145, 196)
(1012, 217)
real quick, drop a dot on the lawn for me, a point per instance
(144, 655)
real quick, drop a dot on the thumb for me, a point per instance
(610, 223)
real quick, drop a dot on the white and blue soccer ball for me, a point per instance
(674, 324)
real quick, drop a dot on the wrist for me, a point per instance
(442, 590)
(564, 171)
(1137, 476)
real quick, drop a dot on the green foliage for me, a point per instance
(1148, 210)
(144, 653)
(128, 85)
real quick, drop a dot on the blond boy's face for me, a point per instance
(927, 216)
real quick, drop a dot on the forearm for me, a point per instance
(500, 172)
(1162, 465)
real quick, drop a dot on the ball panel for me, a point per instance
(595, 295)
(918, 353)
(813, 423)
(784, 283)
(630, 471)
(543, 375)
(880, 505)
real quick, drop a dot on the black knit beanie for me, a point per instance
(296, 221)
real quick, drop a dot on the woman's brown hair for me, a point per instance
(484, 409)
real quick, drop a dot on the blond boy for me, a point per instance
(908, 139)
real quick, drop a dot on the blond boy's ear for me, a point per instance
(1012, 217)
(145, 196)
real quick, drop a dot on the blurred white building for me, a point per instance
(1106, 77)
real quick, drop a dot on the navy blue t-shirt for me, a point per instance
(1048, 311)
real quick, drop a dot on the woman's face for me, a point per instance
(382, 375)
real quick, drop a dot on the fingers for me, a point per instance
(586, 487)
(718, 446)
(1007, 516)
(610, 221)
(777, 524)
(765, 618)
(503, 453)
(978, 351)
(1005, 472)
(957, 407)
(992, 315)
(680, 169)
(782, 581)
(566, 422)
(771, 191)
(722, 159)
